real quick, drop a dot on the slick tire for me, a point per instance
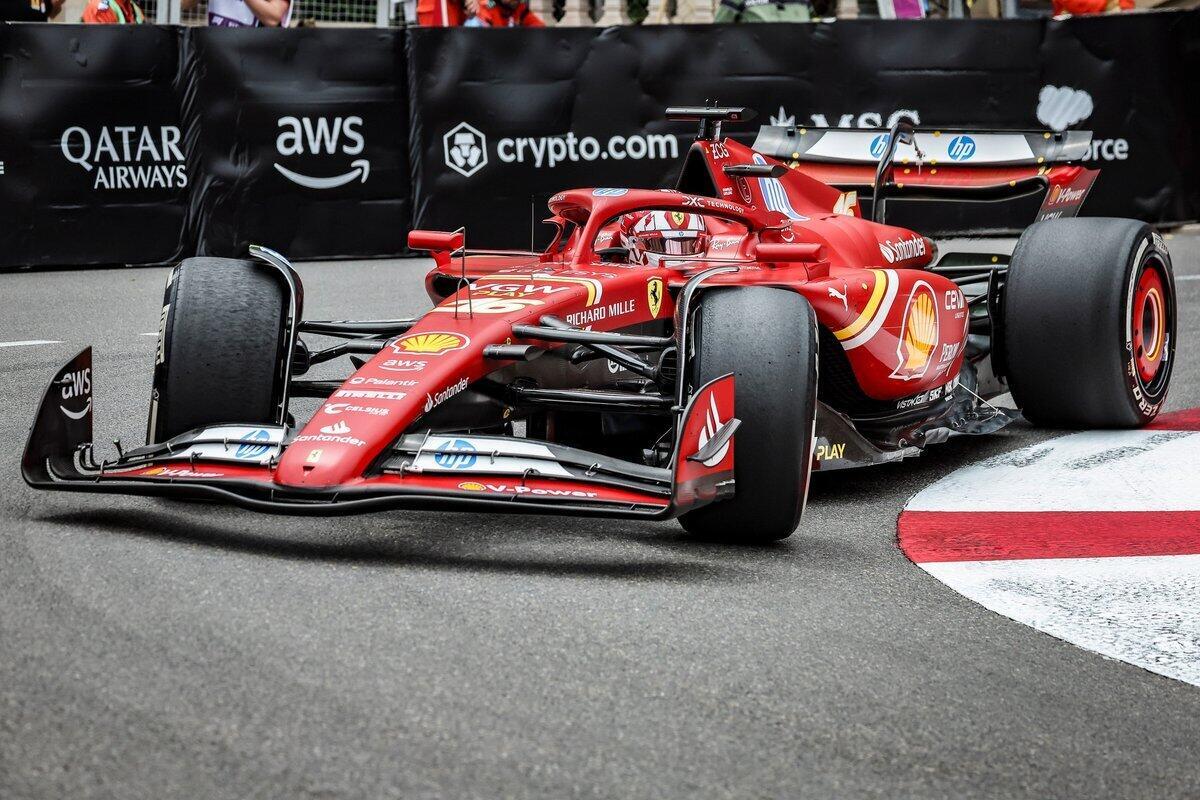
(220, 341)
(1089, 323)
(767, 337)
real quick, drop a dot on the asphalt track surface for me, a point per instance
(159, 650)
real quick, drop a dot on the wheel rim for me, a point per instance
(1150, 324)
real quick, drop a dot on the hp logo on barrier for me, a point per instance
(458, 454)
(962, 148)
(879, 144)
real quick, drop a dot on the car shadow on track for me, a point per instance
(441, 541)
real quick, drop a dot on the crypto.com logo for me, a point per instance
(466, 149)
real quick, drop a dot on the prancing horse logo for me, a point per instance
(654, 295)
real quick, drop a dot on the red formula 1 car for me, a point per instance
(692, 353)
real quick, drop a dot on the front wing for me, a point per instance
(234, 464)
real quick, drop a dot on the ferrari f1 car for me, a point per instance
(692, 353)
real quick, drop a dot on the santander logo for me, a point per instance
(902, 249)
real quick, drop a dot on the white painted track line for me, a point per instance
(29, 343)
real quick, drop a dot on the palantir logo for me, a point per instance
(322, 136)
(466, 149)
(961, 148)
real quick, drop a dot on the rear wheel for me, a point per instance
(220, 341)
(1089, 316)
(767, 338)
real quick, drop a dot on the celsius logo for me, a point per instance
(961, 148)
(127, 156)
(466, 150)
(879, 144)
(902, 249)
(322, 136)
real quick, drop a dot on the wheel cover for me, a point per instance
(1150, 323)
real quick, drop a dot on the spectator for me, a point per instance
(736, 11)
(444, 13)
(29, 10)
(504, 14)
(1081, 7)
(113, 12)
(246, 13)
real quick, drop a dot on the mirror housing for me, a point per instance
(435, 240)
(789, 252)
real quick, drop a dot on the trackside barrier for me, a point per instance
(140, 145)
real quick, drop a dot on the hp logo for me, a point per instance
(253, 450)
(458, 454)
(962, 148)
(879, 144)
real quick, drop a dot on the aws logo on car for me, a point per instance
(322, 136)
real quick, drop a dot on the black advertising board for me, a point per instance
(298, 141)
(141, 144)
(92, 162)
(570, 102)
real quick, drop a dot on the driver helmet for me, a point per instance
(651, 236)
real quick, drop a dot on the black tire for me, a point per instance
(220, 341)
(1073, 356)
(767, 338)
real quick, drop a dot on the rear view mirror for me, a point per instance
(789, 253)
(435, 240)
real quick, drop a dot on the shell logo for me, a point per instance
(919, 334)
(433, 343)
(472, 486)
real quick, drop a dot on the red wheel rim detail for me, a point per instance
(1149, 323)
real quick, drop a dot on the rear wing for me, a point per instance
(942, 147)
(943, 181)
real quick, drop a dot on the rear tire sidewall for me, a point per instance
(1069, 352)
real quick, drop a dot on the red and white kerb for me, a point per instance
(1093, 538)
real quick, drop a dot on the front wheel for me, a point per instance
(221, 338)
(1089, 323)
(766, 337)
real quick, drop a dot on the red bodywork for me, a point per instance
(901, 327)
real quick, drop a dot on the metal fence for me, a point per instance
(576, 13)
